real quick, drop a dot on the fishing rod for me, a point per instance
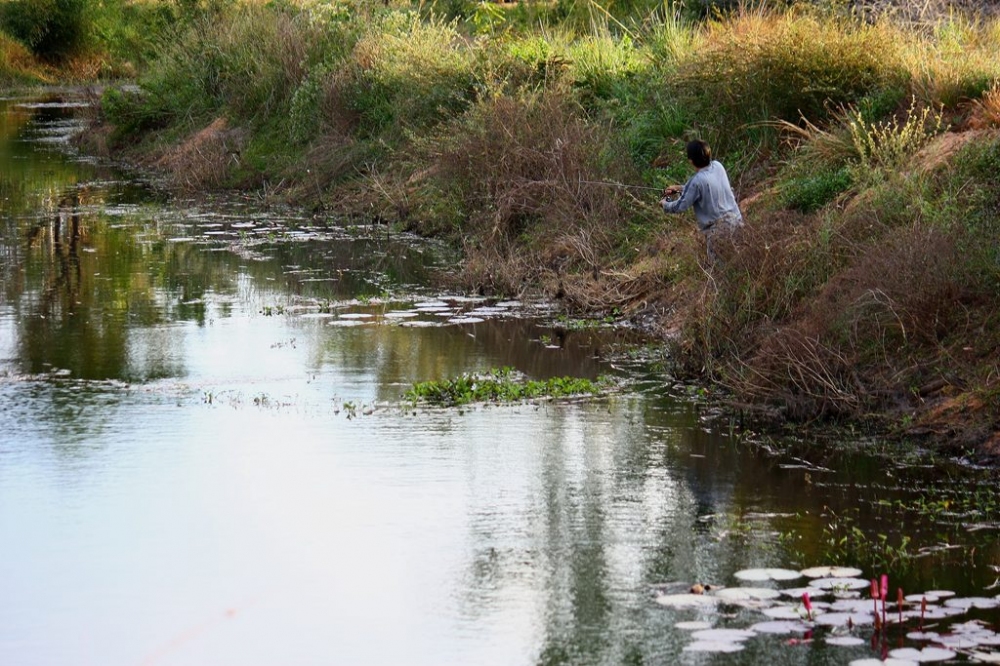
(616, 184)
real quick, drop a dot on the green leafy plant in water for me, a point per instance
(499, 385)
(846, 543)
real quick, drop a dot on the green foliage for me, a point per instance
(811, 192)
(52, 29)
(499, 385)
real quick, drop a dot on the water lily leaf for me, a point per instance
(845, 619)
(845, 641)
(747, 594)
(781, 627)
(927, 654)
(723, 635)
(758, 575)
(986, 657)
(923, 635)
(855, 605)
(838, 583)
(789, 612)
(879, 662)
(797, 592)
(831, 572)
(713, 646)
(693, 625)
(940, 594)
(686, 600)
(957, 642)
(966, 603)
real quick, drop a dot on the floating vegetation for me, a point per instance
(831, 572)
(846, 622)
(500, 385)
(768, 574)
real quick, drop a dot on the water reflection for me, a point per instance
(180, 480)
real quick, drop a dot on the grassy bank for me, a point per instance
(864, 149)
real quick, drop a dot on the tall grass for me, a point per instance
(762, 66)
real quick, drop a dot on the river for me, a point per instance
(205, 458)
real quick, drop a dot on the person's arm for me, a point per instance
(688, 197)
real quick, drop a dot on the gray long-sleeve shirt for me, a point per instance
(711, 195)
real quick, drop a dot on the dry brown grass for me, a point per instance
(986, 110)
(874, 331)
(532, 179)
(203, 160)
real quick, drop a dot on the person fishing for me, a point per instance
(708, 191)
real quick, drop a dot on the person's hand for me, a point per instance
(672, 191)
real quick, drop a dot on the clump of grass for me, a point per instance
(956, 62)
(986, 110)
(405, 74)
(887, 145)
(499, 385)
(762, 66)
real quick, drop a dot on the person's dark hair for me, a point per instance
(699, 153)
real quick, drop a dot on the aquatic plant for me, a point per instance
(846, 621)
(500, 385)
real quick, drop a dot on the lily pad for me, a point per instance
(831, 572)
(686, 600)
(854, 606)
(917, 598)
(759, 575)
(986, 657)
(797, 592)
(878, 662)
(925, 655)
(839, 583)
(747, 594)
(966, 603)
(713, 646)
(789, 612)
(845, 619)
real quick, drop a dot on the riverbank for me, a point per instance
(865, 287)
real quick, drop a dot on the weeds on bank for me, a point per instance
(499, 385)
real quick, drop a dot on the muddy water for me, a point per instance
(204, 458)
